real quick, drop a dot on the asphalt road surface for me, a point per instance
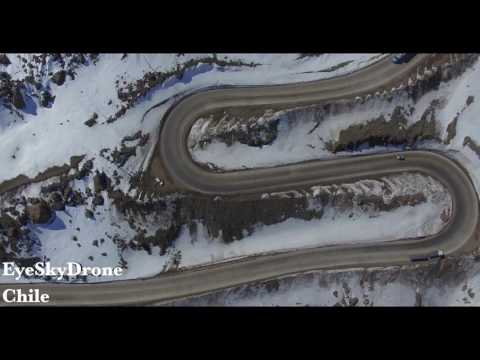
(457, 235)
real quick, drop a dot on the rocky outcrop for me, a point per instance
(39, 212)
(163, 238)
(59, 77)
(46, 98)
(36, 67)
(381, 132)
(92, 121)
(128, 148)
(472, 144)
(252, 127)
(56, 201)
(4, 60)
(101, 182)
(130, 93)
(451, 130)
(420, 283)
(17, 99)
(89, 214)
(9, 226)
(231, 219)
(470, 100)
(98, 200)
(121, 156)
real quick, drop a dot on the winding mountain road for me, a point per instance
(458, 235)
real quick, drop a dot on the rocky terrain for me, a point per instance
(233, 219)
(449, 282)
(17, 94)
(389, 118)
(93, 206)
(156, 224)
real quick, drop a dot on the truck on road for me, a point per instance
(402, 58)
(439, 254)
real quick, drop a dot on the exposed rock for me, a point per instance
(98, 200)
(89, 214)
(17, 99)
(133, 137)
(56, 201)
(381, 132)
(468, 141)
(67, 191)
(100, 182)
(85, 170)
(10, 226)
(470, 100)
(46, 98)
(39, 213)
(4, 76)
(451, 130)
(92, 121)
(88, 165)
(120, 157)
(137, 89)
(163, 238)
(272, 285)
(4, 60)
(59, 77)
(305, 55)
(74, 198)
(354, 301)
(232, 219)
(251, 127)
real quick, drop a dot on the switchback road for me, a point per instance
(456, 236)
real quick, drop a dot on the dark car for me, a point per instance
(402, 58)
(439, 254)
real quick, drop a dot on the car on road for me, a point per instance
(400, 157)
(402, 58)
(439, 254)
(160, 182)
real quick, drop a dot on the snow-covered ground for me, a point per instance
(50, 136)
(408, 221)
(375, 287)
(314, 290)
(73, 237)
(41, 137)
(30, 139)
(297, 142)
(358, 225)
